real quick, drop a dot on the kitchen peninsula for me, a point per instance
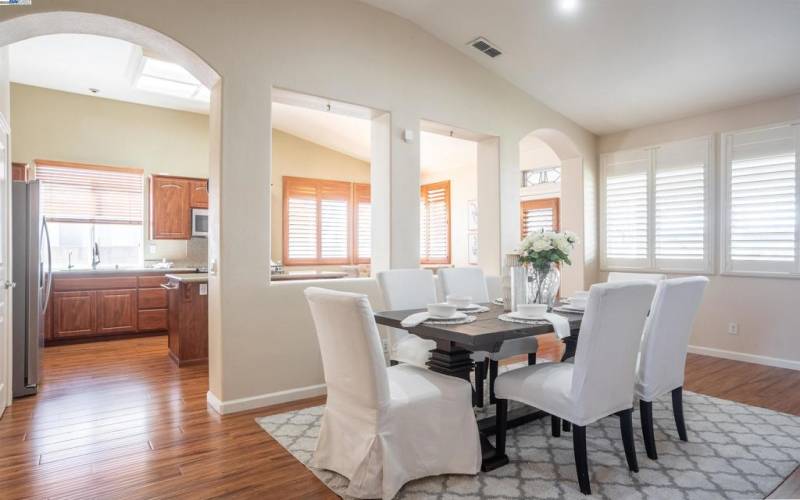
(188, 317)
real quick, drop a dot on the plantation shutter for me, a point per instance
(680, 205)
(435, 223)
(539, 215)
(316, 221)
(90, 193)
(362, 223)
(761, 185)
(626, 202)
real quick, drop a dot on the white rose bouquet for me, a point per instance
(542, 248)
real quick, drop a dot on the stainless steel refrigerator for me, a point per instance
(32, 262)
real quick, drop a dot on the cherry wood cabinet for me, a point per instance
(171, 202)
(85, 306)
(74, 314)
(188, 322)
(198, 193)
(170, 215)
(117, 311)
(19, 172)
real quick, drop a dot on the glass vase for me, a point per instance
(543, 283)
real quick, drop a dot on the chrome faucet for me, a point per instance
(69, 260)
(95, 256)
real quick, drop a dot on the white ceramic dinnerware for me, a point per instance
(532, 310)
(460, 301)
(441, 310)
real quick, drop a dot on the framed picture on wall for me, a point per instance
(472, 215)
(472, 250)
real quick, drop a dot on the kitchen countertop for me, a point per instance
(189, 278)
(125, 270)
(307, 275)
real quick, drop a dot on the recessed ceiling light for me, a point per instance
(568, 5)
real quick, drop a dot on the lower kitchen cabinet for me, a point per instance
(117, 311)
(74, 314)
(153, 320)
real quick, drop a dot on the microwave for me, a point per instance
(199, 223)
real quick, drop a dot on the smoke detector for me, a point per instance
(486, 47)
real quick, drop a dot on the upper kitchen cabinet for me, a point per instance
(198, 196)
(19, 172)
(170, 217)
(171, 202)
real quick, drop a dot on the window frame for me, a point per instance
(361, 191)
(553, 203)
(353, 198)
(764, 269)
(425, 260)
(650, 263)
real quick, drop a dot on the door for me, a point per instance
(74, 314)
(117, 311)
(199, 194)
(5, 268)
(169, 209)
(539, 215)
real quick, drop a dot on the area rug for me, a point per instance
(734, 451)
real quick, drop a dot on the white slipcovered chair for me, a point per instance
(598, 383)
(614, 277)
(383, 427)
(471, 281)
(408, 289)
(662, 355)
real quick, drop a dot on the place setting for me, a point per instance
(458, 310)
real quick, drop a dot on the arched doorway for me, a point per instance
(39, 24)
(552, 183)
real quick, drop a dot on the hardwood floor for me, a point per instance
(118, 419)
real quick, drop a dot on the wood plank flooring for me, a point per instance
(118, 419)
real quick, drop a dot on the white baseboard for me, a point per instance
(743, 356)
(263, 400)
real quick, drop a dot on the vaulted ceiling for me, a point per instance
(611, 65)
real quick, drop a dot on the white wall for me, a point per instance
(261, 342)
(765, 308)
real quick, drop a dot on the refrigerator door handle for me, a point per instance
(49, 266)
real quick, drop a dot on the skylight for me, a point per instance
(169, 78)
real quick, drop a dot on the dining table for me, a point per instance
(455, 344)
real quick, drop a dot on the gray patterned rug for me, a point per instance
(734, 451)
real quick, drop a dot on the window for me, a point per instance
(325, 222)
(760, 210)
(656, 207)
(91, 204)
(362, 223)
(539, 176)
(434, 224)
(539, 215)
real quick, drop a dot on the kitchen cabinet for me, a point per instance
(74, 314)
(19, 172)
(170, 214)
(117, 311)
(188, 319)
(171, 202)
(198, 193)
(88, 305)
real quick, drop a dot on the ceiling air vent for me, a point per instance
(485, 46)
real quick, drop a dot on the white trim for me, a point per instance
(746, 357)
(263, 400)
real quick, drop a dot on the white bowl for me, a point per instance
(532, 310)
(459, 301)
(441, 310)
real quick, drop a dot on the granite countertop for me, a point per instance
(189, 278)
(124, 270)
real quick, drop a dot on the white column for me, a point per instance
(490, 213)
(381, 195)
(404, 202)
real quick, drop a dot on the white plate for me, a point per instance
(570, 307)
(457, 315)
(471, 307)
(518, 315)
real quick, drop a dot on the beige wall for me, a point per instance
(765, 308)
(54, 125)
(295, 157)
(262, 348)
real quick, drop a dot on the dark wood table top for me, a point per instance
(486, 333)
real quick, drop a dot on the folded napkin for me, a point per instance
(560, 324)
(417, 318)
